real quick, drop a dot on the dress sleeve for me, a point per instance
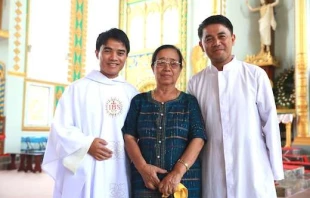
(270, 124)
(130, 125)
(196, 123)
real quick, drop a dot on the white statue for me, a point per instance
(266, 22)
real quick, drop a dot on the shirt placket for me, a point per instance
(160, 136)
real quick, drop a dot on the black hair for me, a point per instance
(167, 47)
(113, 33)
(215, 19)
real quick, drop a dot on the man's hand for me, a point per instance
(99, 150)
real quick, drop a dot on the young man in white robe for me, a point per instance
(242, 157)
(85, 151)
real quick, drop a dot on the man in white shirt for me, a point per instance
(85, 151)
(242, 157)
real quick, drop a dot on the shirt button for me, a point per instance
(158, 156)
(162, 103)
(159, 141)
(162, 114)
(159, 127)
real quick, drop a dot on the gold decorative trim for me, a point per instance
(198, 59)
(286, 111)
(4, 34)
(17, 35)
(45, 82)
(223, 7)
(27, 35)
(84, 37)
(144, 7)
(262, 59)
(14, 73)
(146, 84)
(121, 14)
(77, 43)
(302, 141)
(1, 12)
(219, 7)
(183, 42)
(36, 129)
(214, 9)
(71, 41)
(301, 74)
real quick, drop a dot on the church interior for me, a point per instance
(46, 45)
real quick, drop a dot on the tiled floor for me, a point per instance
(25, 185)
(39, 185)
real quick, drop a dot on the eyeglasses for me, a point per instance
(160, 63)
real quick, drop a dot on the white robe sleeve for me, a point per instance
(270, 125)
(66, 142)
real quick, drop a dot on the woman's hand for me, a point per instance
(149, 175)
(168, 185)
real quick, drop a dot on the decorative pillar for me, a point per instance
(301, 74)
(78, 31)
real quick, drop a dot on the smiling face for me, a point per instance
(112, 57)
(167, 74)
(217, 42)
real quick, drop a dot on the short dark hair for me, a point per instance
(167, 47)
(113, 33)
(215, 19)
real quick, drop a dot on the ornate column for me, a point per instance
(219, 7)
(78, 35)
(301, 74)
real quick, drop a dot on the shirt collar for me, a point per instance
(229, 66)
(101, 78)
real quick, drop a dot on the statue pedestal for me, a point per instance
(264, 60)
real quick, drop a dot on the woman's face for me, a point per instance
(167, 67)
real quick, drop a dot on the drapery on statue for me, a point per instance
(266, 22)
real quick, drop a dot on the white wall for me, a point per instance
(5, 14)
(4, 50)
(198, 10)
(102, 16)
(247, 33)
(48, 40)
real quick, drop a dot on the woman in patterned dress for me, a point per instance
(164, 133)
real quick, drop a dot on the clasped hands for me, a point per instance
(167, 186)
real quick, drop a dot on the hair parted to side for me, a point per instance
(114, 33)
(181, 59)
(215, 19)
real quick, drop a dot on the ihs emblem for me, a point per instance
(114, 107)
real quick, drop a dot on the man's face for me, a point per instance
(112, 57)
(217, 42)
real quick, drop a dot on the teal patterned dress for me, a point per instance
(164, 130)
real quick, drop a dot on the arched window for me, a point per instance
(149, 24)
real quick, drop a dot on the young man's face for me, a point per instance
(217, 42)
(112, 57)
